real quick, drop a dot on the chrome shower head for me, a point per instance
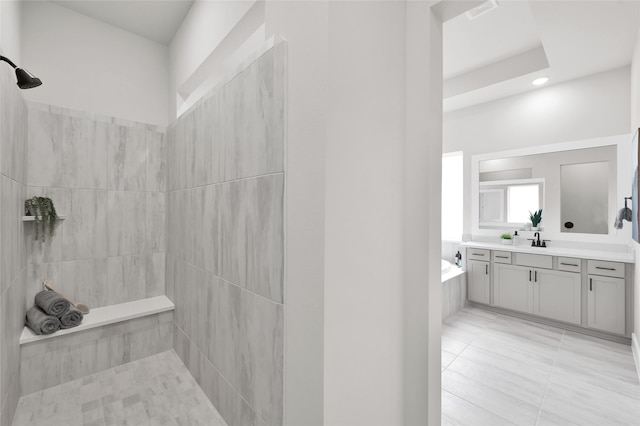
(25, 79)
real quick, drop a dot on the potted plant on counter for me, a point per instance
(536, 218)
(506, 239)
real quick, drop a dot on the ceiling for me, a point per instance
(499, 53)
(496, 55)
(157, 20)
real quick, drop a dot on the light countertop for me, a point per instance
(596, 254)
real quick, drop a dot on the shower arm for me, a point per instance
(9, 61)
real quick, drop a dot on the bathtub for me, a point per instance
(454, 289)
(446, 266)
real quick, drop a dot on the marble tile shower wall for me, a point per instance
(225, 257)
(13, 140)
(108, 177)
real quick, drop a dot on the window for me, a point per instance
(452, 187)
(506, 203)
(491, 205)
(521, 200)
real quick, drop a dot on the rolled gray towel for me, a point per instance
(40, 322)
(71, 318)
(52, 303)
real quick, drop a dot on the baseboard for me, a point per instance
(563, 325)
(635, 348)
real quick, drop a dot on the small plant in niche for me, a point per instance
(44, 213)
(505, 236)
(536, 218)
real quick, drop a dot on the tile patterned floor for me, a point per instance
(498, 370)
(158, 390)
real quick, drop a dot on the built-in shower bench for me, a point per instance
(108, 336)
(106, 315)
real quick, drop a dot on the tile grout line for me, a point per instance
(546, 388)
(224, 377)
(476, 405)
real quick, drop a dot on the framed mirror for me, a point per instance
(575, 184)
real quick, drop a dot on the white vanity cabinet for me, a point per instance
(479, 281)
(543, 292)
(479, 272)
(512, 288)
(606, 297)
(556, 295)
(572, 292)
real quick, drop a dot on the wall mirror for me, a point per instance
(576, 185)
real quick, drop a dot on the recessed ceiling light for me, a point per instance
(540, 81)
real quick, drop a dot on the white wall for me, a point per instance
(363, 243)
(304, 25)
(10, 12)
(88, 65)
(206, 28)
(634, 125)
(585, 108)
(349, 172)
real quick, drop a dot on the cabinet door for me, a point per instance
(512, 287)
(479, 281)
(605, 303)
(556, 295)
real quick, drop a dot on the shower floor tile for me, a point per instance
(158, 390)
(511, 371)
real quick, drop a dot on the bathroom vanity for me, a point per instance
(583, 290)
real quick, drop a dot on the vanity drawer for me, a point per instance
(569, 264)
(502, 257)
(478, 254)
(606, 268)
(535, 260)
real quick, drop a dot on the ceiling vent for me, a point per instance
(485, 7)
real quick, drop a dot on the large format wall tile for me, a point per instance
(11, 327)
(252, 242)
(37, 273)
(233, 408)
(84, 150)
(108, 177)
(251, 348)
(156, 168)
(86, 281)
(11, 241)
(239, 332)
(156, 221)
(225, 241)
(84, 233)
(171, 149)
(127, 159)
(13, 143)
(126, 223)
(135, 277)
(205, 121)
(260, 129)
(13, 135)
(55, 361)
(44, 150)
